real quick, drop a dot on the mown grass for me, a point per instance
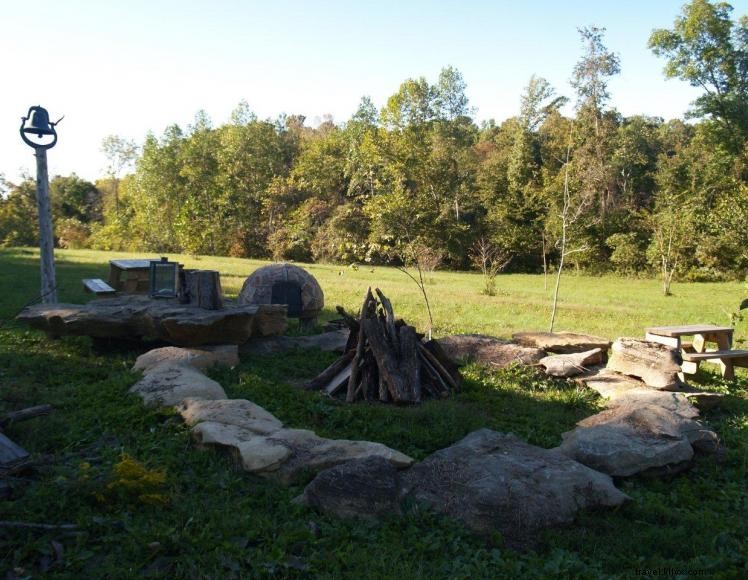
(211, 520)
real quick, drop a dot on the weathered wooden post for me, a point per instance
(41, 127)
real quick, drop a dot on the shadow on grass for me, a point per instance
(20, 280)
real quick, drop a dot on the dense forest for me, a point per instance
(420, 180)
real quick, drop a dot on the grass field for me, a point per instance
(147, 503)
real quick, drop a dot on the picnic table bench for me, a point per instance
(696, 351)
(97, 286)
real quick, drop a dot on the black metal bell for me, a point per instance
(39, 124)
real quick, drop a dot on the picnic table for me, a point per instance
(696, 351)
(131, 276)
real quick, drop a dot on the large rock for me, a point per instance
(267, 345)
(636, 436)
(365, 488)
(134, 317)
(198, 358)
(492, 481)
(569, 365)
(169, 385)
(655, 364)
(488, 350)
(561, 342)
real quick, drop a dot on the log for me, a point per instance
(355, 365)
(387, 362)
(326, 375)
(338, 381)
(449, 365)
(204, 287)
(35, 526)
(438, 366)
(25, 414)
(350, 322)
(389, 320)
(436, 384)
(409, 363)
(12, 456)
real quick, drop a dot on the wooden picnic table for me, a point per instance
(696, 351)
(131, 276)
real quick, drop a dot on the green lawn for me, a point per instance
(209, 520)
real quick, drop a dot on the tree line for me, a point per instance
(420, 180)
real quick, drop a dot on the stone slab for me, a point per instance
(561, 342)
(134, 317)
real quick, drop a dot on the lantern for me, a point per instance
(163, 278)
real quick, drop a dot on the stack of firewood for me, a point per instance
(387, 360)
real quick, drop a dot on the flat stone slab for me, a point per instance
(169, 385)
(609, 384)
(569, 365)
(488, 350)
(135, 317)
(199, 358)
(495, 482)
(561, 342)
(239, 412)
(267, 345)
(284, 454)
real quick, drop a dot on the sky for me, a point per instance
(130, 68)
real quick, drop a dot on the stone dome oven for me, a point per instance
(285, 284)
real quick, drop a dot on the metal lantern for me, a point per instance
(163, 278)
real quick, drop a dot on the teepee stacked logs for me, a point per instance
(386, 360)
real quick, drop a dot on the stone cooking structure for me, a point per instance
(284, 283)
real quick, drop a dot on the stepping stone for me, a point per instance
(561, 342)
(239, 412)
(263, 453)
(168, 385)
(266, 345)
(569, 365)
(488, 350)
(200, 358)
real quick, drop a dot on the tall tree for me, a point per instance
(710, 51)
(121, 154)
(596, 127)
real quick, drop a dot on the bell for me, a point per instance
(39, 122)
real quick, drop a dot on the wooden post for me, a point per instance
(46, 237)
(204, 288)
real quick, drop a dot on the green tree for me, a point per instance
(709, 50)
(121, 154)
(18, 222)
